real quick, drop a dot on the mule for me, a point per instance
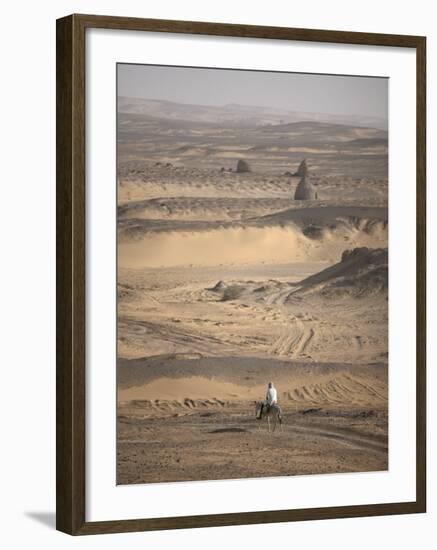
(262, 410)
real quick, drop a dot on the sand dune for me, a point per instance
(164, 383)
(156, 244)
(212, 247)
(202, 208)
(326, 215)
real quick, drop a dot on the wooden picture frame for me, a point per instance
(71, 253)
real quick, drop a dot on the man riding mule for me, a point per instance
(269, 408)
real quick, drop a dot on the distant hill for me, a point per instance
(238, 115)
(322, 127)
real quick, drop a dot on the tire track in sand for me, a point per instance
(294, 342)
(348, 438)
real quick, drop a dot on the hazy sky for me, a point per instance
(347, 95)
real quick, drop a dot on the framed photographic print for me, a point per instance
(240, 274)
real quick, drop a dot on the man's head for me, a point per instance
(270, 384)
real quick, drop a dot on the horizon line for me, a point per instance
(280, 109)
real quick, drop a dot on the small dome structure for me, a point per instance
(243, 166)
(305, 191)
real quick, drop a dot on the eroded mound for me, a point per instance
(361, 272)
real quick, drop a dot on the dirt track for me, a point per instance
(226, 441)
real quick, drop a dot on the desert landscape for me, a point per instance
(252, 247)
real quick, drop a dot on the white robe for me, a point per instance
(272, 396)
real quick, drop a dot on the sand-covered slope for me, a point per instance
(279, 310)
(361, 273)
(180, 382)
(293, 235)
